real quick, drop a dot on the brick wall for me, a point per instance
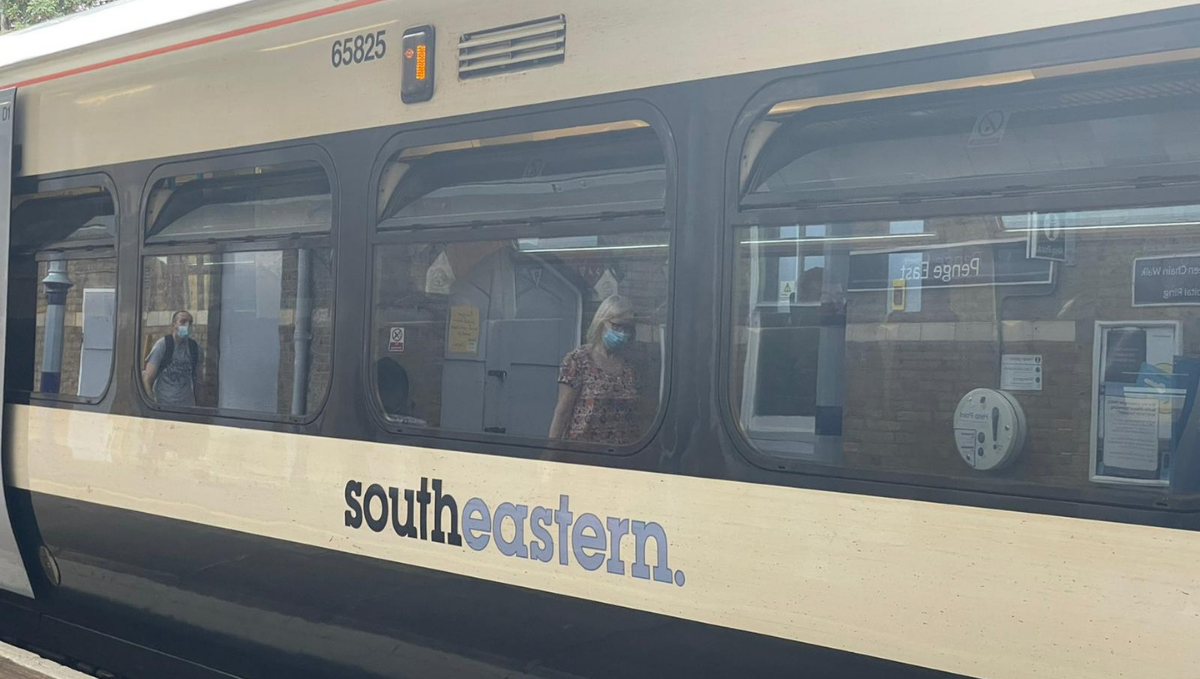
(84, 274)
(193, 283)
(902, 387)
(320, 346)
(906, 371)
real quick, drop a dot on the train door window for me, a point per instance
(939, 288)
(520, 286)
(62, 291)
(237, 288)
(784, 347)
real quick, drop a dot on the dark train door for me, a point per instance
(12, 569)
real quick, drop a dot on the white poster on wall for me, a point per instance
(1131, 433)
(1135, 401)
(1021, 372)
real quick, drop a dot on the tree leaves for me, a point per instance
(18, 14)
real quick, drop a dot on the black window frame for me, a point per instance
(999, 188)
(741, 213)
(509, 156)
(307, 152)
(101, 180)
(384, 231)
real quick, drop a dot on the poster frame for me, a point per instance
(1098, 358)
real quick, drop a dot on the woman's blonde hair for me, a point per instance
(615, 306)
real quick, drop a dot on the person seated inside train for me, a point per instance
(171, 370)
(597, 383)
(392, 379)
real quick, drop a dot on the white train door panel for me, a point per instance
(96, 354)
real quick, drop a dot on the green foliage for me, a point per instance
(21, 13)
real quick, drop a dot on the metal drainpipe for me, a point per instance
(831, 356)
(302, 334)
(57, 284)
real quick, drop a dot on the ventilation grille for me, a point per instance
(517, 47)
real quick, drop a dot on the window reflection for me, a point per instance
(481, 336)
(1038, 305)
(62, 293)
(237, 290)
(589, 173)
(259, 334)
(1007, 286)
(76, 326)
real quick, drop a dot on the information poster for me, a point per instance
(1131, 436)
(1021, 372)
(1138, 402)
(396, 340)
(1125, 352)
(464, 330)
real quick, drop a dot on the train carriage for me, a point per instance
(564, 339)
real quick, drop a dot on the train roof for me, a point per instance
(152, 79)
(100, 24)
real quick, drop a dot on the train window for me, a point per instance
(582, 172)
(275, 200)
(237, 291)
(1029, 144)
(62, 293)
(978, 290)
(554, 329)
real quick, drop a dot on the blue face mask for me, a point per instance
(614, 339)
(185, 331)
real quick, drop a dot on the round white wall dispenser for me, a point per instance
(989, 428)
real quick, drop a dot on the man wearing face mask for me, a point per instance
(597, 387)
(170, 373)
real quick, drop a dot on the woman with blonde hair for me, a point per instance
(597, 389)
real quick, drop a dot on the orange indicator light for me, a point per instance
(417, 72)
(421, 61)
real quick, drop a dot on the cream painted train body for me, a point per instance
(908, 298)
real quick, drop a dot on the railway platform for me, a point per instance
(17, 663)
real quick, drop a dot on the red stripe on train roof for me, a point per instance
(354, 4)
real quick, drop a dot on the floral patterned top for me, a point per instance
(605, 404)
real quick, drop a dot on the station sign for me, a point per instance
(1171, 280)
(957, 265)
(1048, 237)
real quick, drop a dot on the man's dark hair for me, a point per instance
(175, 316)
